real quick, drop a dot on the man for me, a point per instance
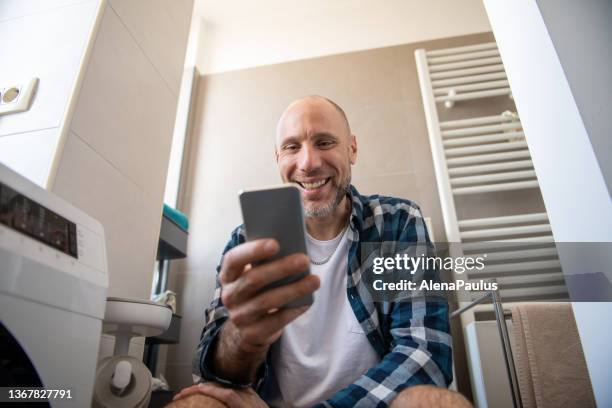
(345, 350)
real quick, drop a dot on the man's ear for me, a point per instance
(353, 149)
(275, 152)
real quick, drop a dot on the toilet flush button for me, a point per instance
(16, 98)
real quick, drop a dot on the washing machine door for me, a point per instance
(16, 368)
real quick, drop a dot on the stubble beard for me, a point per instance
(330, 207)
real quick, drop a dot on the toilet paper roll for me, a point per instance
(135, 395)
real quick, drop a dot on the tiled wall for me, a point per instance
(114, 161)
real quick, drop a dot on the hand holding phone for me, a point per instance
(262, 278)
(277, 213)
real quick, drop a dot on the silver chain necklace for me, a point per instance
(325, 260)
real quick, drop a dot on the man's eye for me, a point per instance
(291, 147)
(326, 144)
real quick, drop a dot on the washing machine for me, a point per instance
(53, 284)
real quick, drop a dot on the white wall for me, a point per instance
(563, 147)
(586, 56)
(47, 40)
(240, 34)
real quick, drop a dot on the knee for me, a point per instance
(429, 396)
(196, 401)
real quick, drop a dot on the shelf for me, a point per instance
(172, 240)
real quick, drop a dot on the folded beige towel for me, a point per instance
(548, 356)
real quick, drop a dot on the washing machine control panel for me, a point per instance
(41, 234)
(33, 219)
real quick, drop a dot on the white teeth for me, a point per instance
(311, 186)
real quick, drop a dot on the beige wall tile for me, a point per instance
(383, 135)
(131, 220)
(160, 27)
(125, 110)
(402, 185)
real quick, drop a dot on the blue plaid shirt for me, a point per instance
(411, 337)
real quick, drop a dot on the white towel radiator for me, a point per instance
(485, 155)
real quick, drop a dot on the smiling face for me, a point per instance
(315, 149)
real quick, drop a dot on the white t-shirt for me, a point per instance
(325, 349)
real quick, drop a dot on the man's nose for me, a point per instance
(309, 159)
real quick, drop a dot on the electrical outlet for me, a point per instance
(18, 97)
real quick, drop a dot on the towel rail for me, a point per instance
(485, 148)
(496, 137)
(467, 72)
(476, 130)
(522, 254)
(485, 168)
(482, 120)
(513, 175)
(474, 95)
(468, 79)
(507, 231)
(464, 64)
(490, 188)
(486, 158)
(510, 268)
(463, 56)
(508, 219)
(505, 243)
(460, 50)
(471, 87)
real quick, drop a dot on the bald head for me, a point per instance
(312, 105)
(315, 149)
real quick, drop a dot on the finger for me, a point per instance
(201, 388)
(253, 310)
(238, 257)
(269, 329)
(186, 392)
(251, 282)
(226, 395)
(196, 401)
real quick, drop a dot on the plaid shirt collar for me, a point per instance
(356, 220)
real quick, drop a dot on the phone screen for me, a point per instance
(277, 213)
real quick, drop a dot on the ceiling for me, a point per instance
(238, 34)
(222, 12)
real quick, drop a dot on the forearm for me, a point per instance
(231, 361)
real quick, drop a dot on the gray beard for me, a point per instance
(333, 204)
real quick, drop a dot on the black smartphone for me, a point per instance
(276, 212)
